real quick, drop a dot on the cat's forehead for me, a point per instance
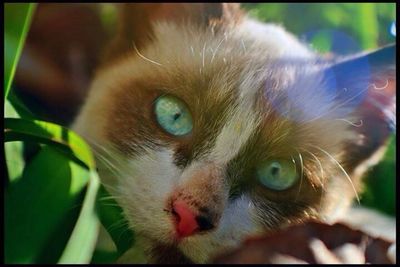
(211, 64)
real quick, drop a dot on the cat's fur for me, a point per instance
(255, 92)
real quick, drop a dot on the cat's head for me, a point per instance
(209, 126)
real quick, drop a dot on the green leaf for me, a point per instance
(380, 187)
(17, 19)
(20, 110)
(322, 42)
(103, 257)
(49, 133)
(81, 245)
(366, 23)
(9, 110)
(14, 160)
(13, 150)
(36, 204)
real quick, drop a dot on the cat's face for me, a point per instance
(205, 136)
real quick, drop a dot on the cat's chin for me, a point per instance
(158, 251)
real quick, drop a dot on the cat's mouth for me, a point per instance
(165, 250)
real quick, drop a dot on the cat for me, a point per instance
(209, 126)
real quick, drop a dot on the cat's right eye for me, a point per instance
(173, 115)
(277, 174)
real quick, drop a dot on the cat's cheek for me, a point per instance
(143, 189)
(239, 220)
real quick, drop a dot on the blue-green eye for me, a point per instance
(173, 115)
(277, 174)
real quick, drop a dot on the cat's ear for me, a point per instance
(135, 21)
(367, 85)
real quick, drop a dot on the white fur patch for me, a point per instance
(147, 183)
(233, 136)
(242, 122)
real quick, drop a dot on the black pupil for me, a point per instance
(176, 116)
(275, 171)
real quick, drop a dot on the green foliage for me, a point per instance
(38, 202)
(380, 189)
(49, 133)
(82, 241)
(368, 23)
(17, 18)
(52, 199)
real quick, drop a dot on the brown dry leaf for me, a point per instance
(312, 242)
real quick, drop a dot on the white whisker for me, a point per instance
(216, 49)
(109, 197)
(320, 167)
(106, 157)
(301, 174)
(118, 224)
(334, 108)
(110, 205)
(145, 58)
(109, 165)
(244, 47)
(343, 170)
(204, 52)
(360, 123)
(191, 49)
(319, 179)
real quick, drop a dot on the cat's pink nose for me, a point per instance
(186, 223)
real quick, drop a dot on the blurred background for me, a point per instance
(63, 44)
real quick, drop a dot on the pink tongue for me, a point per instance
(186, 219)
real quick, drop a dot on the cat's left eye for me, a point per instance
(173, 115)
(277, 174)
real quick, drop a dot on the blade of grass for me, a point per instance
(82, 242)
(16, 29)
